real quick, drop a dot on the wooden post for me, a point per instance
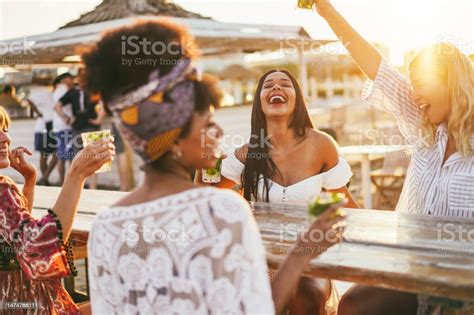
(303, 73)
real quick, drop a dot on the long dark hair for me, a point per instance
(257, 161)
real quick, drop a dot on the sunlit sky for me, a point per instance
(398, 24)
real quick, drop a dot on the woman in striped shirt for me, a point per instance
(435, 112)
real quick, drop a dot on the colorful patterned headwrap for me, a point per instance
(152, 116)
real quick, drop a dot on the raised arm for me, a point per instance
(89, 160)
(388, 90)
(365, 55)
(40, 242)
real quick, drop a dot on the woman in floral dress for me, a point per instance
(33, 253)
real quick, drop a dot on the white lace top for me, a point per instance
(303, 191)
(196, 252)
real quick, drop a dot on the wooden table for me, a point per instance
(380, 248)
(364, 152)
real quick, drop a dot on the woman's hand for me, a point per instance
(325, 232)
(92, 157)
(198, 174)
(21, 165)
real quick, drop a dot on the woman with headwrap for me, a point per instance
(171, 246)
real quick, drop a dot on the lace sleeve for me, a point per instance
(338, 176)
(37, 244)
(203, 256)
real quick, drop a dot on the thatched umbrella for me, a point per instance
(118, 9)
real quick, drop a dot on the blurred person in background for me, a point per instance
(40, 99)
(62, 131)
(10, 102)
(84, 114)
(7, 90)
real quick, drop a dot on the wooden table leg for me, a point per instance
(366, 182)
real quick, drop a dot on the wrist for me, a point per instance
(74, 174)
(298, 258)
(303, 252)
(30, 179)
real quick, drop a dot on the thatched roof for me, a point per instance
(119, 9)
(213, 38)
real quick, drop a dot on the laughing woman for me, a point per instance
(33, 255)
(435, 112)
(288, 161)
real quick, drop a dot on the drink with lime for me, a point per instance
(213, 175)
(323, 202)
(90, 137)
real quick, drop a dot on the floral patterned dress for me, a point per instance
(33, 258)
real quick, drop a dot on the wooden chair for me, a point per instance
(390, 178)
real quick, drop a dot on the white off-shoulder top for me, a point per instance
(303, 191)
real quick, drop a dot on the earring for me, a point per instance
(178, 155)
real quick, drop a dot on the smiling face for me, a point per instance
(430, 90)
(278, 95)
(4, 139)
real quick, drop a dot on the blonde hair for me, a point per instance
(458, 72)
(4, 118)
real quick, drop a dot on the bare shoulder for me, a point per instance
(141, 195)
(241, 153)
(322, 139)
(324, 143)
(129, 200)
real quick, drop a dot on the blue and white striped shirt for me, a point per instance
(431, 187)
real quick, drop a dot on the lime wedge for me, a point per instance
(211, 172)
(323, 202)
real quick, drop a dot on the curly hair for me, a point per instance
(110, 66)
